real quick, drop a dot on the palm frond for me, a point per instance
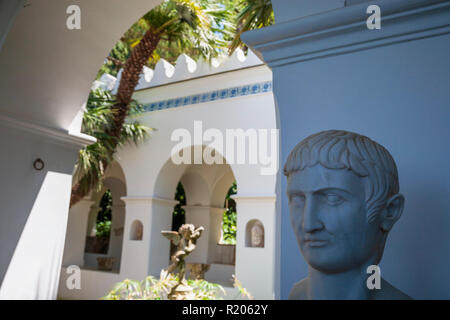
(98, 118)
(254, 14)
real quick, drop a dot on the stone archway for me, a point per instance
(204, 186)
(82, 224)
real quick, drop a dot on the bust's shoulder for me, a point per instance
(298, 291)
(389, 292)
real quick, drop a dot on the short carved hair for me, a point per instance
(337, 149)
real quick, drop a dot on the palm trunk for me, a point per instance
(130, 77)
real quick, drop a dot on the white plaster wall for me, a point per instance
(33, 215)
(135, 252)
(253, 264)
(142, 164)
(94, 285)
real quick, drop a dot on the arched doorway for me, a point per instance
(200, 195)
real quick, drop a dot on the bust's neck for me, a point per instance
(346, 285)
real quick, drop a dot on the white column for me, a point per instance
(199, 216)
(76, 233)
(117, 231)
(215, 231)
(148, 256)
(256, 267)
(92, 219)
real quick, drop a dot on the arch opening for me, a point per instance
(203, 192)
(106, 220)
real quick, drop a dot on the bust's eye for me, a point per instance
(297, 200)
(333, 198)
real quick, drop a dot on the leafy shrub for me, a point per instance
(103, 229)
(154, 289)
(229, 217)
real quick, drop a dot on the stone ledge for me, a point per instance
(344, 30)
(63, 137)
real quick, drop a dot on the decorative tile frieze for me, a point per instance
(221, 94)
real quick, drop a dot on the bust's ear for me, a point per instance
(392, 212)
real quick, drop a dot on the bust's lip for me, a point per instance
(309, 238)
(315, 242)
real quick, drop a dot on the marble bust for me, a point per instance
(343, 194)
(257, 236)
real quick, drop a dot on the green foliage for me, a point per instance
(230, 217)
(97, 119)
(198, 28)
(105, 207)
(158, 289)
(116, 58)
(178, 215)
(103, 229)
(253, 14)
(104, 216)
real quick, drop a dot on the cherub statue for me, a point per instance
(185, 240)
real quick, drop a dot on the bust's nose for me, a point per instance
(311, 222)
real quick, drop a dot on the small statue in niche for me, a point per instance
(343, 194)
(139, 231)
(257, 235)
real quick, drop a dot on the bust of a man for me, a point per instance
(344, 198)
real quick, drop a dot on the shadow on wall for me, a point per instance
(20, 203)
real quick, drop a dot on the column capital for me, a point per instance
(345, 30)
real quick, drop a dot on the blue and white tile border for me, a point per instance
(221, 94)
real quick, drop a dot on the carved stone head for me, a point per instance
(344, 198)
(257, 236)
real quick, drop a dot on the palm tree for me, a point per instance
(253, 14)
(198, 25)
(181, 23)
(94, 159)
